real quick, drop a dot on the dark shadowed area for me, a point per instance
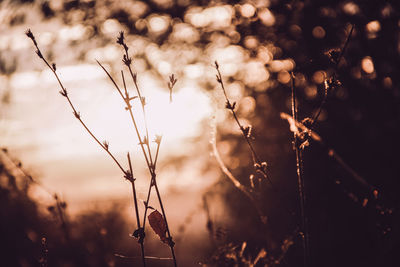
(241, 182)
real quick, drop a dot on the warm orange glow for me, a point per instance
(367, 65)
(318, 32)
(247, 10)
(266, 17)
(351, 8)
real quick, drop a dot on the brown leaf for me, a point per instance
(157, 222)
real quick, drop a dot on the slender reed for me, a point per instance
(140, 234)
(300, 178)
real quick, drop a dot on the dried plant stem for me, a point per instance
(127, 60)
(330, 151)
(61, 215)
(129, 108)
(151, 164)
(147, 154)
(246, 191)
(260, 166)
(65, 94)
(132, 180)
(148, 158)
(326, 91)
(300, 179)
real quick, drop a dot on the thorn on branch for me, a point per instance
(120, 38)
(39, 53)
(77, 115)
(230, 106)
(129, 176)
(143, 100)
(127, 60)
(54, 66)
(106, 144)
(247, 131)
(157, 139)
(63, 92)
(172, 81)
(219, 80)
(261, 167)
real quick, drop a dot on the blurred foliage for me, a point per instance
(34, 236)
(257, 44)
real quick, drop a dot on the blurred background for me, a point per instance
(257, 44)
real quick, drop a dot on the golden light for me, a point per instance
(319, 76)
(318, 32)
(351, 8)
(367, 65)
(216, 17)
(183, 32)
(111, 26)
(283, 77)
(180, 118)
(255, 73)
(373, 26)
(247, 10)
(311, 91)
(158, 24)
(73, 33)
(264, 55)
(266, 17)
(387, 82)
(251, 42)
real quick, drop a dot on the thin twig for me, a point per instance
(151, 165)
(64, 93)
(246, 191)
(259, 166)
(332, 79)
(129, 107)
(132, 180)
(300, 178)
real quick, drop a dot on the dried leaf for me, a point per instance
(157, 222)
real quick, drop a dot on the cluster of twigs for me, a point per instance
(150, 156)
(303, 133)
(260, 166)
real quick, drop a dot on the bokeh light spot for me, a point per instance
(367, 65)
(318, 32)
(284, 77)
(266, 17)
(351, 8)
(247, 10)
(387, 82)
(158, 24)
(319, 76)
